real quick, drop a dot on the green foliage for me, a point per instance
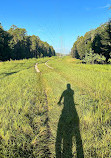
(109, 61)
(78, 49)
(15, 44)
(93, 58)
(99, 40)
(106, 41)
(4, 44)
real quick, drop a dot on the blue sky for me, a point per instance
(59, 22)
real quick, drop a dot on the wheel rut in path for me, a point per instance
(48, 134)
(48, 65)
(36, 68)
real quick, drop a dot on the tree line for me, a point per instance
(94, 46)
(16, 44)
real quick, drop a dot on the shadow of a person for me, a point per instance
(68, 127)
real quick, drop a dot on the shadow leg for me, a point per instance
(59, 138)
(79, 147)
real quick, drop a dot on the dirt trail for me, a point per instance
(46, 137)
(36, 68)
(48, 65)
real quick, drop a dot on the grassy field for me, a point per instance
(32, 124)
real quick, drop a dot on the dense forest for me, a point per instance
(94, 46)
(16, 44)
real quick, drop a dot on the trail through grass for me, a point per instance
(23, 111)
(92, 87)
(30, 115)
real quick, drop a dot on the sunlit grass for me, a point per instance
(28, 99)
(92, 87)
(22, 102)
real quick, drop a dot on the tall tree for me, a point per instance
(4, 44)
(15, 44)
(98, 40)
(96, 44)
(106, 41)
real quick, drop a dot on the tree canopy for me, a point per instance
(96, 43)
(16, 44)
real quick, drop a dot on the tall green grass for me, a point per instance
(92, 87)
(29, 113)
(23, 111)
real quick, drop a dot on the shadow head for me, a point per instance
(68, 86)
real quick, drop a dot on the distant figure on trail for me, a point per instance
(68, 127)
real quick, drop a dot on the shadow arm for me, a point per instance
(59, 103)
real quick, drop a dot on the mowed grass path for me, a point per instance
(92, 87)
(29, 113)
(23, 111)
